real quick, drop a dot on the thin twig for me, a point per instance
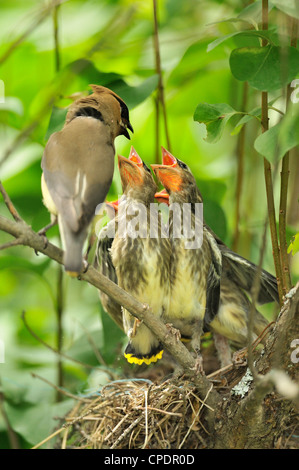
(59, 315)
(56, 37)
(286, 277)
(9, 204)
(159, 72)
(240, 171)
(94, 348)
(50, 347)
(268, 174)
(12, 436)
(60, 390)
(43, 14)
(16, 242)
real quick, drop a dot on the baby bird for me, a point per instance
(230, 321)
(141, 256)
(196, 260)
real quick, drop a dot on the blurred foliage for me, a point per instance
(110, 42)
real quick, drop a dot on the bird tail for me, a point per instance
(143, 347)
(73, 245)
(134, 357)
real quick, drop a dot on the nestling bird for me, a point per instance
(103, 263)
(141, 261)
(103, 260)
(230, 321)
(239, 270)
(194, 271)
(78, 165)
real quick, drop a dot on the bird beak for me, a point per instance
(125, 126)
(130, 172)
(134, 157)
(167, 158)
(168, 173)
(162, 197)
(112, 208)
(113, 204)
(130, 127)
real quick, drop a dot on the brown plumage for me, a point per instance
(78, 164)
(194, 272)
(141, 261)
(237, 274)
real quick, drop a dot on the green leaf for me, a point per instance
(254, 113)
(214, 116)
(266, 144)
(278, 140)
(133, 96)
(290, 7)
(253, 12)
(35, 423)
(262, 66)
(294, 245)
(270, 36)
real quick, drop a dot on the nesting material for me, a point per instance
(137, 414)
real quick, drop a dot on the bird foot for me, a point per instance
(85, 266)
(135, 326)
(198, 367)
(42, 233)
(239, 357)
(173, 331)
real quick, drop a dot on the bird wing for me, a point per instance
(78, 164)
(103, 253)
(213, 280)
(242, 272)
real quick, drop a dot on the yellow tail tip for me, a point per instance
(72, 273)
(143, 360)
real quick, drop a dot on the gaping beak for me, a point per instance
(130, 172)
(168, 173)
(167, 158)
(113, 204)
(134, 157)
(162, 197)
(112, 208)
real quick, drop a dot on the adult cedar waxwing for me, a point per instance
(141, 256)
(78, 164)
(236, 277)
(195, 270)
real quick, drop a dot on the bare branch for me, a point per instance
(141, 311)
(9, 204)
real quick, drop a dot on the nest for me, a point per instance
(140, 414)
(137, 414)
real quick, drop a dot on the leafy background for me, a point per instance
(111, 43)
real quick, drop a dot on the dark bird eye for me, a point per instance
(182, 165)
(146, 167)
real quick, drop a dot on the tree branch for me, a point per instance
(268, 174)
(141, 311)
